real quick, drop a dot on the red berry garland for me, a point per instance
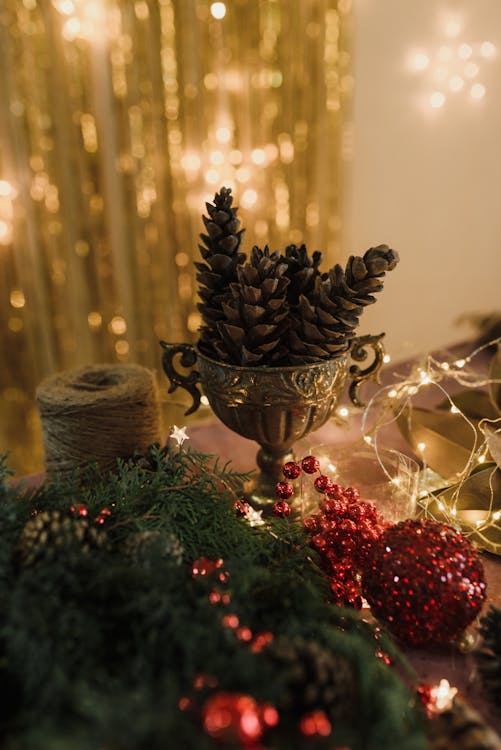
(310, 464)
(425, 581)
(344, 532)
(291, 470)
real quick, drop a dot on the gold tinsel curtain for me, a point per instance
(118, 119)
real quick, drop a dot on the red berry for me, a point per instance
(80, 509)
(351, 494)
(310, 464)
(240, 507)
(291, 470)
(281, 509)
(284, 490)
(323, 483)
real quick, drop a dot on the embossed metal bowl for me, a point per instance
(275, 406)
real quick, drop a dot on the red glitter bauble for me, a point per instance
(284, 490)
(232, 717)
(281, 509)
(425, 581)
(310, 464)
(291, 470)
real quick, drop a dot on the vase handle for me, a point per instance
(358, 352)
(178, 380)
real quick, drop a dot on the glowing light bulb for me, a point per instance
(6, 189)
(453, 28)
(386, 358)
(421, 447)
(420, 61)
(71, 28)
(368, 439)
(249, 198)
(465, 51)
(481, 459)
(343, 411)
(440, 505)
(477, 91)
(204, 400)
(212, 176)
(218, 10)
(454, 512)
(445, 366)
(454, 409)
(223, 135)
(392, 393)
(460, 363)
(497, 515)
(456, 83)
(258, 156)
(216, 157)
(487, 50)
(437, 100)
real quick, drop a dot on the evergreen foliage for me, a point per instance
(97, 647)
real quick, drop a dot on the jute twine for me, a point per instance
(97, 414)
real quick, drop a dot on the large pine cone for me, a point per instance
(51, 534)
(302, 270)
(324, 324)
(220, 251)
(315, 678)
(256, 317)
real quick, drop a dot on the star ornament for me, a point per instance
(178, 434)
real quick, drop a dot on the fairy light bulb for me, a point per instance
(477, 91)
(421, 447)
(343, 411)
(437, 100)
(487, 50)
(218, 10)
(460, 363)
(386, 359)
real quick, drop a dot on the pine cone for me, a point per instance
(256, 318)
(141, 546)
(488, 657)
(220, 251)
(52, 533)
(302, 270)
(324, 324)
(315, 678)
(461, 728)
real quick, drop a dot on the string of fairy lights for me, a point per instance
(117, 122)
(398, 398)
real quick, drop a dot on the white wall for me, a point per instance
(426, 181)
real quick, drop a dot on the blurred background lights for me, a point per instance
(218, 10)
(446, 68)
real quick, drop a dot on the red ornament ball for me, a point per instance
(291, 470)
(310, 464)
(281, 509)
(284, 490)
(425, 581)
(232, 717)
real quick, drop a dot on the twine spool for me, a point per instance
(97, 414)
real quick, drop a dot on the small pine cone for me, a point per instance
(256, 318)
(220, 251)
(302, 270)
(315, 678)
(488, 656)
(324, 323)
(51, 534)
(461, 728)
(141, 546)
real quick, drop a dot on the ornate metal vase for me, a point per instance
(275, 406)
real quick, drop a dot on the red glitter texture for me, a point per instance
(343, 533)
(284, 490)
(291, 470)
(281, 509)
(426, 581)
(310, 464)
(241, 507)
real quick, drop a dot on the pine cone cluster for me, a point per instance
(143, 546)
(315, 678)
(277, 309)
(52, 533)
